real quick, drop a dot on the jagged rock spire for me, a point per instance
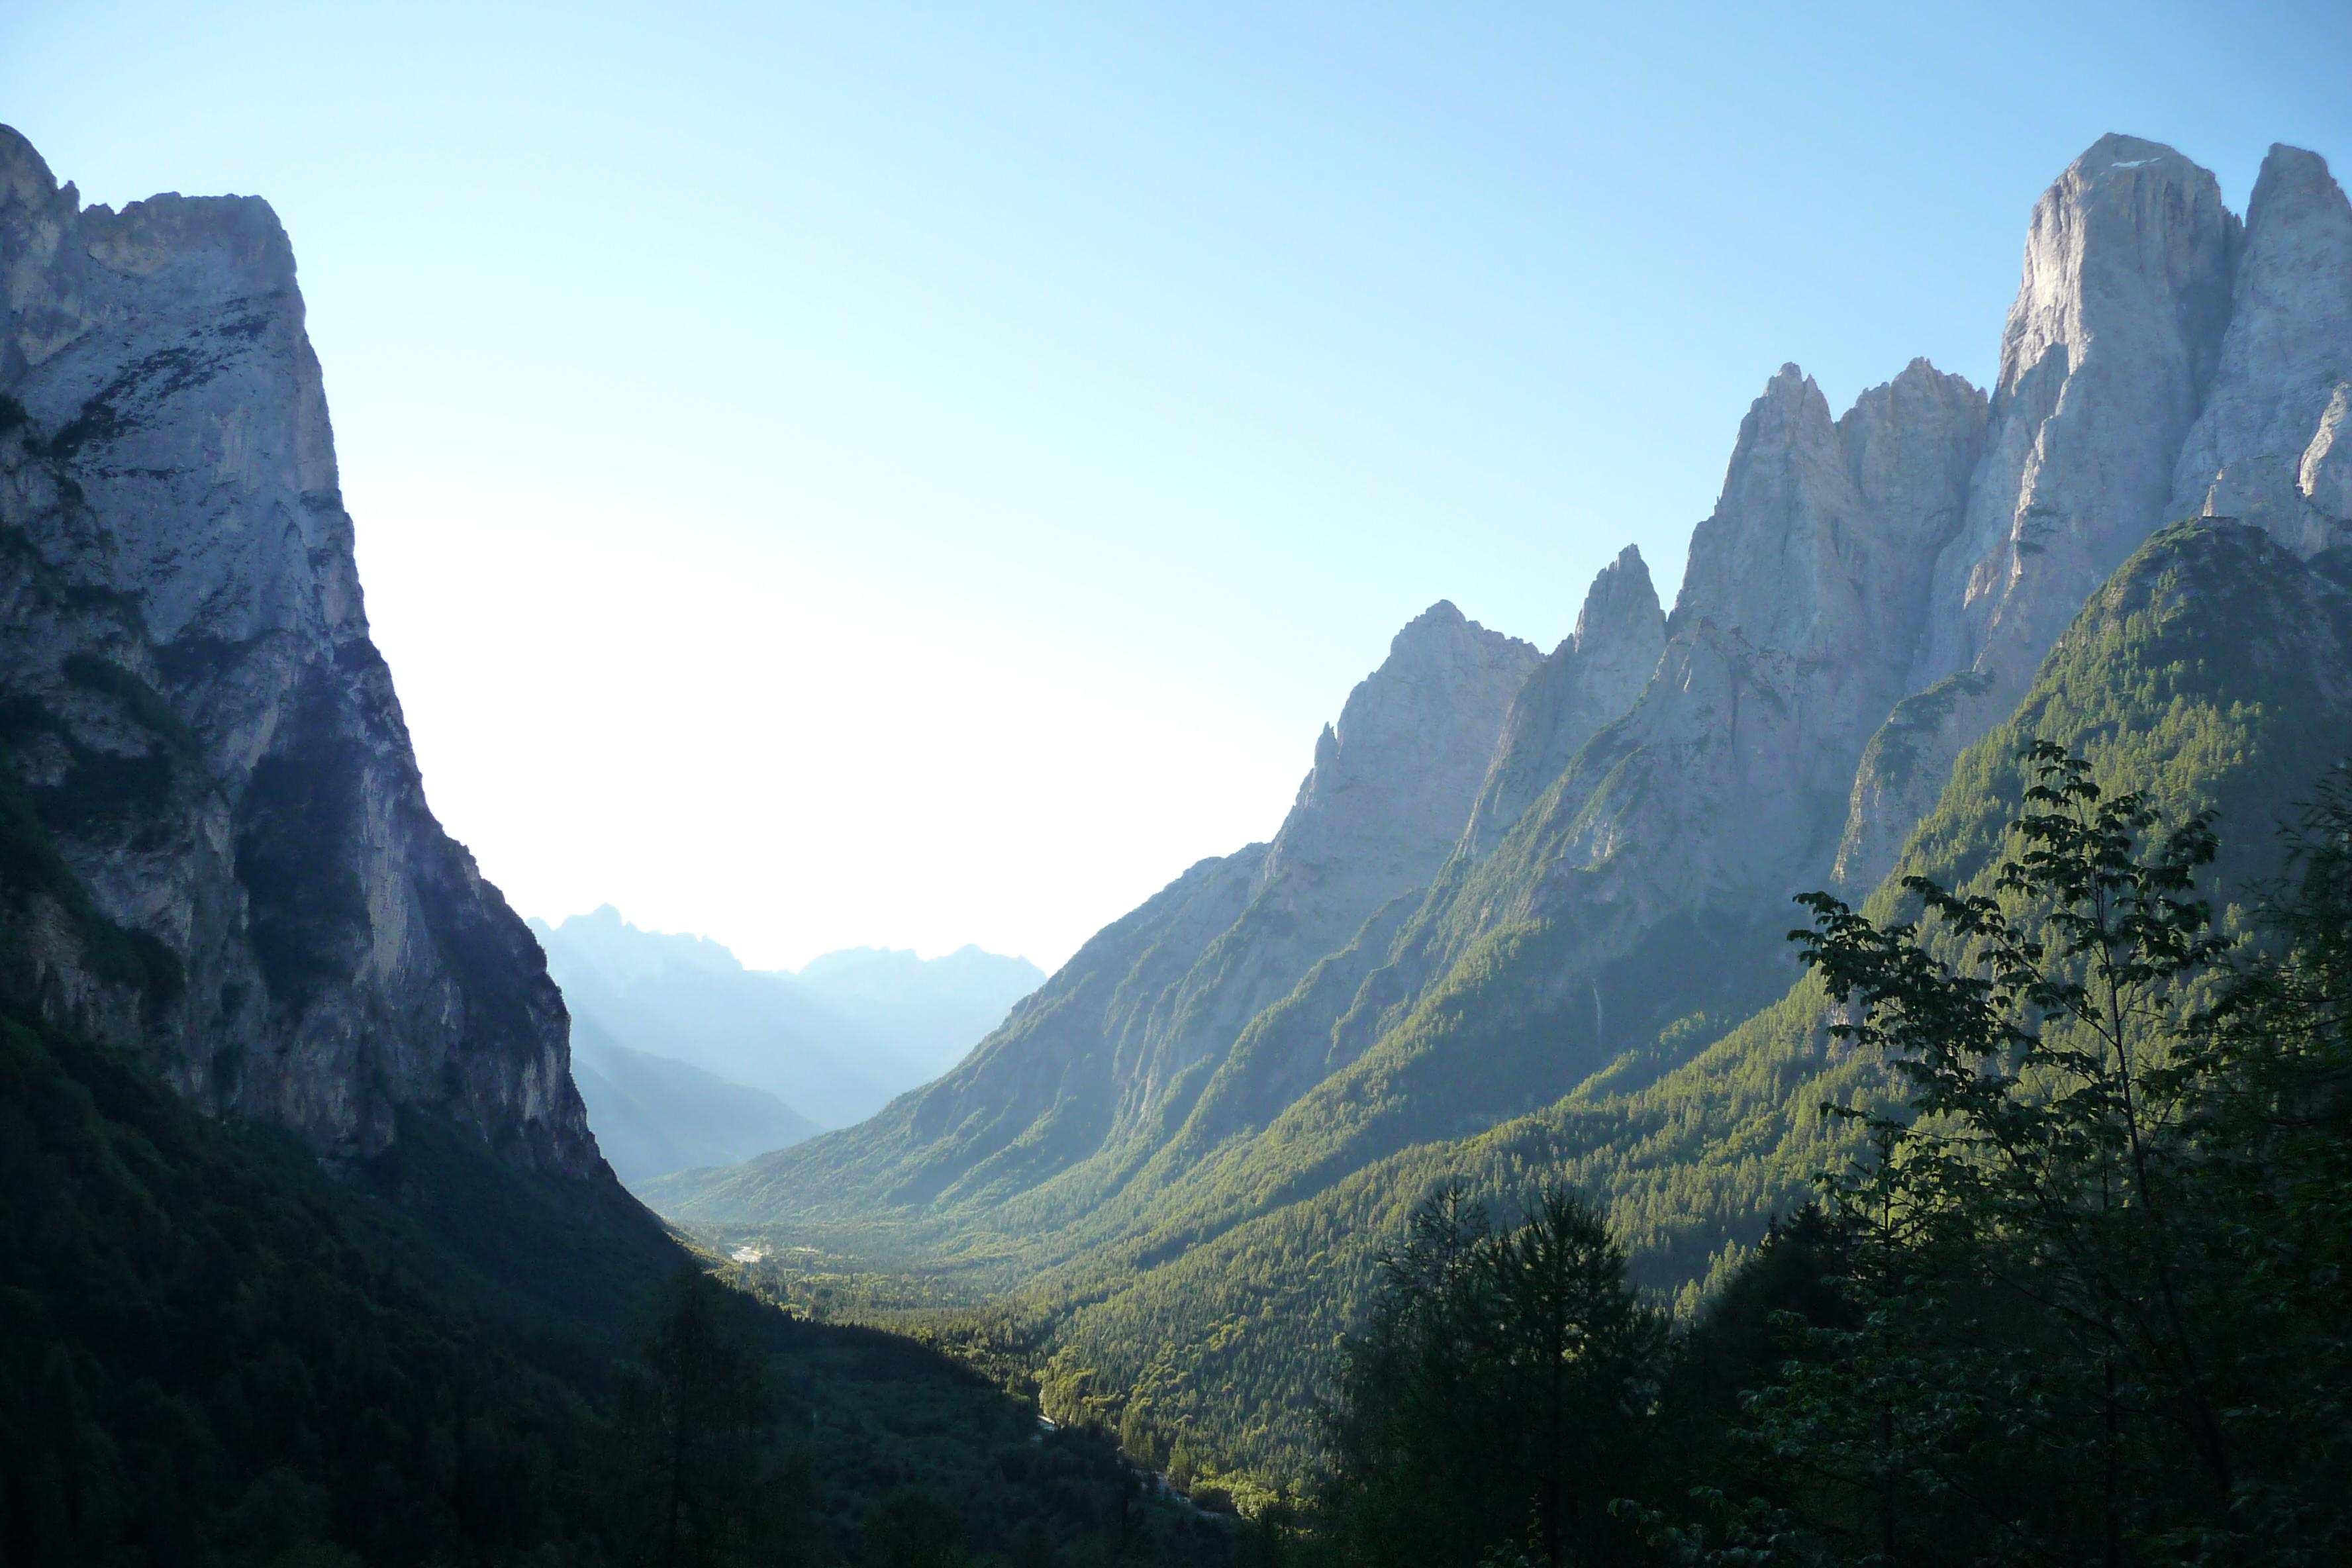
(1393, 780)
(1591, 677)
(2269, 448)
(2105, 357)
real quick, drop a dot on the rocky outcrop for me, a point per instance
(1646, 881)
(196, 723)
(1803, 600)
(1393, 780)
(1591, 679)
(2105, 360)
(2268, 448)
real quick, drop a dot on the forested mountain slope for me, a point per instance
(2215, 670)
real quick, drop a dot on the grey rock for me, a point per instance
(212, 737)
(1393, 782)
(2105, 359)
(1803, 601)
(2267, 447)
(2106, 356)
(2325, 475)
(1591, 679)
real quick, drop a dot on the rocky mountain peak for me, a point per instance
(2266, 450)
(1818, 544)
(1620, 612)
(1750, 559)
(1590, 680)
(2105, 357)
(1394, 779)
(24, 177)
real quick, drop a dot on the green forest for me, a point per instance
(2075, 1298)
(2063, 1284)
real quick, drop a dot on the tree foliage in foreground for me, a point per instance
(2082, 1300)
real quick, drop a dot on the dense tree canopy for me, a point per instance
(2079, 1298)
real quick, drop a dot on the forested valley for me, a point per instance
(2068, 1292)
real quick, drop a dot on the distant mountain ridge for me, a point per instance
(828, 1046)
(1873, 592)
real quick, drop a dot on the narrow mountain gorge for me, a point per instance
(1183, 1153)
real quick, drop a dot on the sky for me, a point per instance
(924, 475)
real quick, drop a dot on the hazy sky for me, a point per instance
(913, 476)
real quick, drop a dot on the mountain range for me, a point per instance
(686, 1058)
(1526, 912)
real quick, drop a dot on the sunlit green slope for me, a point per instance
(2215, 668)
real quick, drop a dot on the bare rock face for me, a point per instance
(1724, 784)
(1393, 780)
(2268, 448)
(1590, 680)
(1801, 603)
(2105, 360)
(198, 720)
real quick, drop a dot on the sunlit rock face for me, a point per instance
(1394, 779)
(1803, 601)
(2270, 448)
(1590, 680)
(273, 917)
(2106, 358)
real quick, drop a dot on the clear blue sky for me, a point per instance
(911, 476)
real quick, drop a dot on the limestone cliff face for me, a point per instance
(2106, 358)
(194, 714)
(1393, 780)
(1590, 680)
(1803, 602)
(2269, 448)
